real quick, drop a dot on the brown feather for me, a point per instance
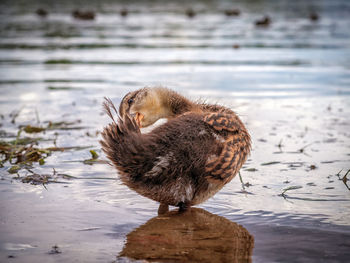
(107, 105)
(184, 161)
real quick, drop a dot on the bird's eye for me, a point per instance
(130, 101)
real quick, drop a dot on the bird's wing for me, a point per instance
(222, 121)
(236, 146)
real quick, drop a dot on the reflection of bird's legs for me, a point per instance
(183, 207)
(163, 208)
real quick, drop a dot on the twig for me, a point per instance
(37, 115)
(294, 187)
(301, 150)
(15, 145)
(15, 115)
(280, 145)
(345, 179)
(240, 178)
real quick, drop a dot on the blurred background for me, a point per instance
(64, 50)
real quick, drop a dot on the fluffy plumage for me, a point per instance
(182, 162)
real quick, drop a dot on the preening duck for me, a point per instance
(182, 162)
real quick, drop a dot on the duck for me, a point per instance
(182, 162)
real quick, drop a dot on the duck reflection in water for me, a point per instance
(193, 236)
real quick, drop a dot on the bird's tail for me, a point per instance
(122, 141)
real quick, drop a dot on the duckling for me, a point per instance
(182, 162)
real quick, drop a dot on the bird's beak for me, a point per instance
(138, 118)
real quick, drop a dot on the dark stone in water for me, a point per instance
(55, 250)
(236, 46)
(124, 12)
(314, 16)
(190, 13)
(41, 12)
(232, 12)
(265, 21)
(83, 15)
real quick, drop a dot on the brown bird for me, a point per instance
(182, 162)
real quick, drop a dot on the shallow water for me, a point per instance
(289, 82)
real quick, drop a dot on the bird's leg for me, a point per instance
(163, 208)
(183, 207)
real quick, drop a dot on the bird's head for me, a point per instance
(146, 105)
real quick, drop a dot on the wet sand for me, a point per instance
(92, 219)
